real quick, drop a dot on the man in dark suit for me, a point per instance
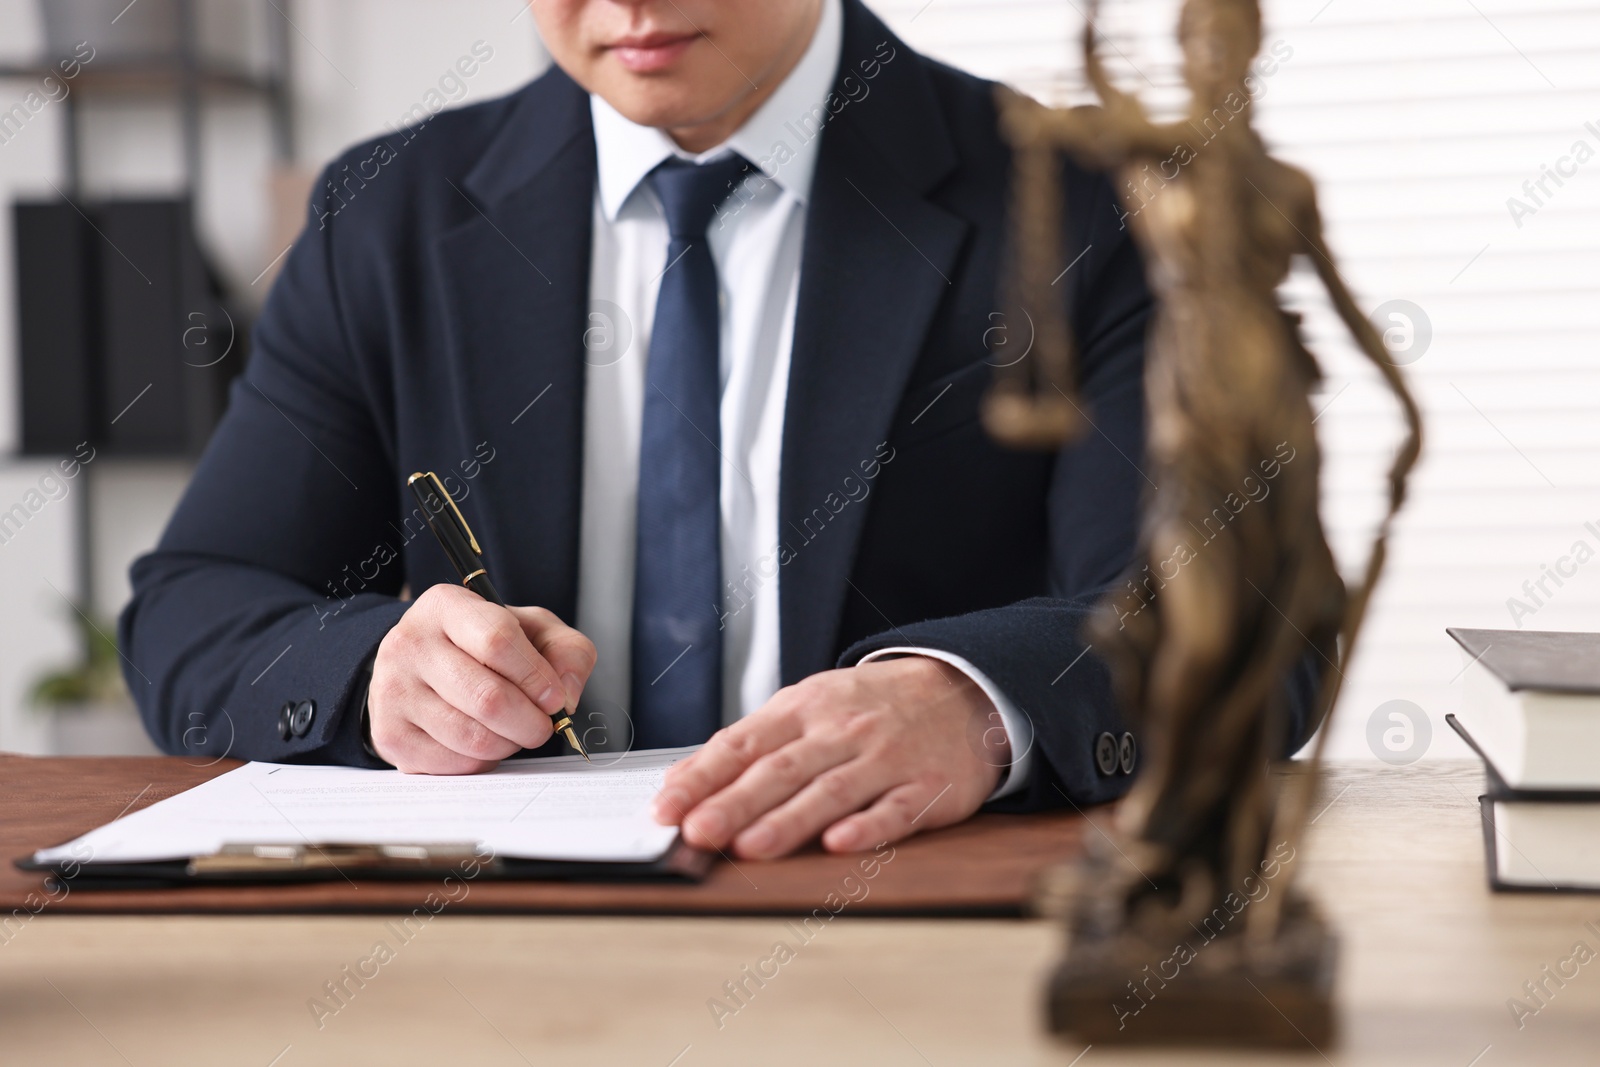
(799, 221)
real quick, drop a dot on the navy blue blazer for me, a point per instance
(432, 317)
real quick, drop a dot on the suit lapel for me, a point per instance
(878, 260)
(516, 280)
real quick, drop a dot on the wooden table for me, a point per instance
(1396, 855)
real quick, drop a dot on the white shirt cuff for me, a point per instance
(1018, 727)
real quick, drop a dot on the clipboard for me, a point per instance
(268, 864)
(554, 819)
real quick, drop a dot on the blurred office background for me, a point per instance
(1421, 123)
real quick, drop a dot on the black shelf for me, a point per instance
(154, 76)
(182, 73)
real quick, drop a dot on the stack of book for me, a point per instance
(1530, 707)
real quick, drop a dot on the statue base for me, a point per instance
(1125, 989)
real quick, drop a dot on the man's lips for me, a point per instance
(652, 52)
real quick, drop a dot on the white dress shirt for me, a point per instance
(756, 244)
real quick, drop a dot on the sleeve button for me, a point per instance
(1105, 754)
(284, 715)
(1127, 754)
(301, 717)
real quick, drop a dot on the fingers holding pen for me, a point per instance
(494, 636)
(570, 655)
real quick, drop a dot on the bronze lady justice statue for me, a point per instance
(1229, 588)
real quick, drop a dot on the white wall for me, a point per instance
(38, 583)
(374, 59)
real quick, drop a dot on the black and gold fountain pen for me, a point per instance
(450, 527)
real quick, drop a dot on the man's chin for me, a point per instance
(659, 102)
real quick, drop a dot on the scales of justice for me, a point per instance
(1185, 925)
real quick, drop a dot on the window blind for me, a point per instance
(1456, 145)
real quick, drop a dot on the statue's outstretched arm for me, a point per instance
(1120, 128)
(1116, 101)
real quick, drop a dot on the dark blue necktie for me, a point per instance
(677, 598)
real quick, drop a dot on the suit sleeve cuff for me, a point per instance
(1019, 731)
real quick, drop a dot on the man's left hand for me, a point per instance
(863, 755)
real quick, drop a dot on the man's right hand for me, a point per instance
(460, 684)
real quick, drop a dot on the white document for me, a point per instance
(559, 808)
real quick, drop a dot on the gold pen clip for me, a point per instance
(448, 499)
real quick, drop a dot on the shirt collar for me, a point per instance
(780, 138)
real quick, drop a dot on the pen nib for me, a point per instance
(564, 726)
